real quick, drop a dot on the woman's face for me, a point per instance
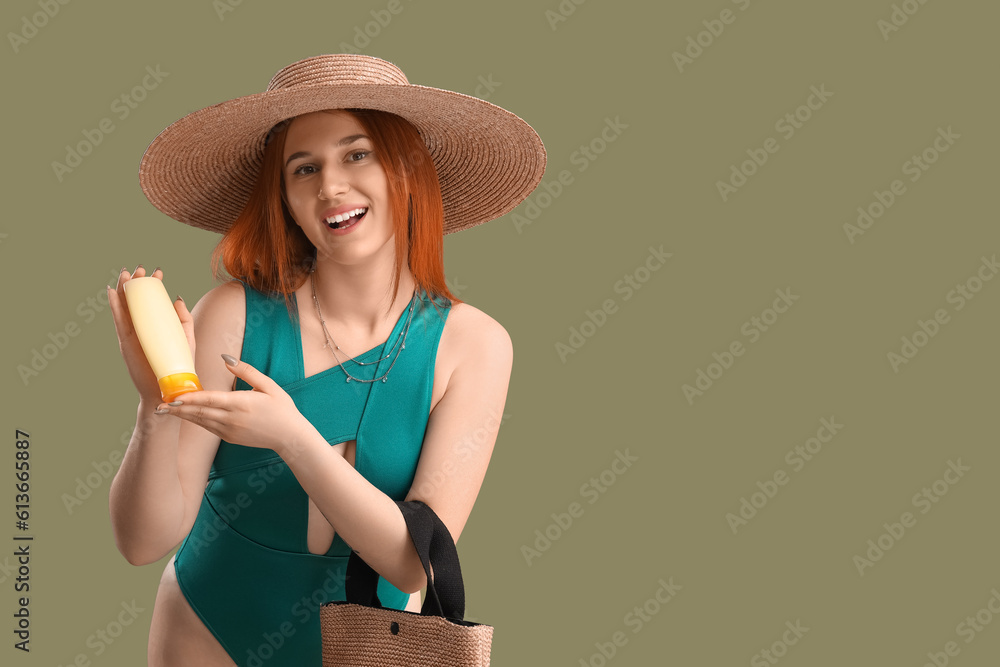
(330, 168)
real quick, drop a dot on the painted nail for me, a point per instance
(230, 360)
(161, 411)
(176, 403)
(155, 270)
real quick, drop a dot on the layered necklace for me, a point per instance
(401, 339)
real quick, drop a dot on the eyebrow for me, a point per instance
(350, 139)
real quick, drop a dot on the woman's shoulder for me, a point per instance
(225, 296)
(469, 333)
(222, 308)
(219, 326)
(475, 355)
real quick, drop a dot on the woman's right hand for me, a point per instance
(142, 373)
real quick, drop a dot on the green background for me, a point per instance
(621, 391)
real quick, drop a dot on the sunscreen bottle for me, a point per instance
(162, 337)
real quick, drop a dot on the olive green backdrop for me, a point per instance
(747, 422)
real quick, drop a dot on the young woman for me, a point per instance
(340, 374)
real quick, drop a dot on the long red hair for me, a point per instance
(265, 248)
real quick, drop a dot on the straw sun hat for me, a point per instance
(200, 169)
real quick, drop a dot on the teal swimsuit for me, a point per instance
(245, 567)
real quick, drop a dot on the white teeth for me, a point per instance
(344, 216)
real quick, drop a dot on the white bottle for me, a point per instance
(162, 337)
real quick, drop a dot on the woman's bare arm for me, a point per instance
(156, 493)
(457, 447)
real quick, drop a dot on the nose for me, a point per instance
(332, 184)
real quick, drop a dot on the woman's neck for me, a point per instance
(355, 298)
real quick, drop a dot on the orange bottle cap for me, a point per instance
(172, 386)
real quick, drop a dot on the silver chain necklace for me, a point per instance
(331, 344)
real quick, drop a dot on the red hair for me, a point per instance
(265, 248)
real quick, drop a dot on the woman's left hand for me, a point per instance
(266, 417)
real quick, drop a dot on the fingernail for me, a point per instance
(161, 411)
(230, 360)
(180, 299)
(176, 403)
(155, 270)
(137, 267)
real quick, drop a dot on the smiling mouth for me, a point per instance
(340, 222)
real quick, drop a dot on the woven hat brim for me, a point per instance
(200, 170)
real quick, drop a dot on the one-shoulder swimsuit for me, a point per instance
(245, 567)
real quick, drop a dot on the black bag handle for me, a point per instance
(434, 545)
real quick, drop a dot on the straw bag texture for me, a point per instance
(360, 632)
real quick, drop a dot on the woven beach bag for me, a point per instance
(360, 632)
